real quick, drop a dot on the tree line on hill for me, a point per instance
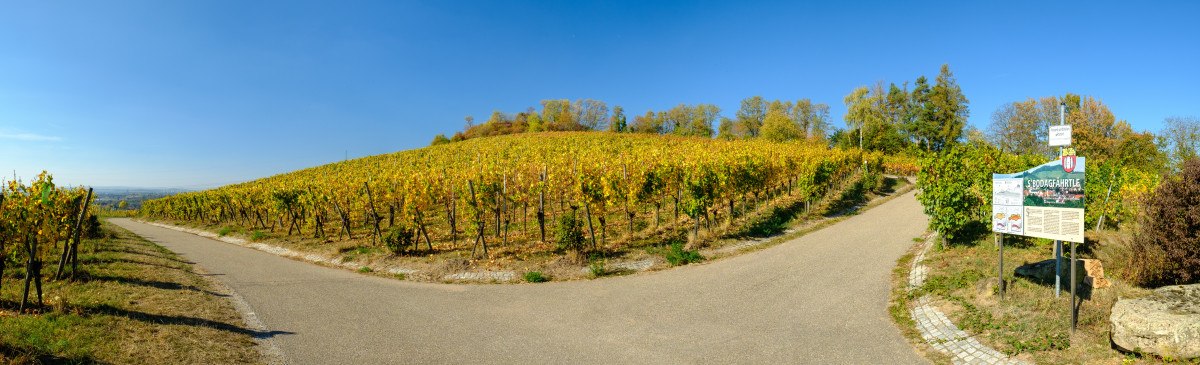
(928, 117)
(914, 118)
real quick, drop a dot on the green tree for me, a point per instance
(535, 123)
(946, 111)
(686, 120)
(1140, 151)
(898, 110)
(863, 114)
(1181, 140)
(779, 127)
(918, 106)
(725, 130)
(750, 116)
(617, 122)
(702, 117)
(439, 139)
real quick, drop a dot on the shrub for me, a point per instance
(92, 227)
(597, 268)
(1166, 249)
(257, 235)
(956, 187)
(1114, 190)
(535, 277)
(400, 239)
(569, 233)
(900, 164)
(224, 231)
(678, 256)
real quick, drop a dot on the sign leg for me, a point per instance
(1057, 268)
(1000, 273)
(1074, 309)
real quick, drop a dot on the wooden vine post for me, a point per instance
(374, 215)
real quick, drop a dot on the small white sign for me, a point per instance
(1060, 135)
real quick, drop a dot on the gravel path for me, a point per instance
(942, 334)
(818, 299)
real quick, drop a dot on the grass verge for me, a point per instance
(900, 305)
(135, 303)
(1029, 322)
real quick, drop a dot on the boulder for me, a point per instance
(1090, 272)
(1040, 272)
(1166, 323)
(1095, 274)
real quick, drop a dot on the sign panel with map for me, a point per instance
(1045, 201)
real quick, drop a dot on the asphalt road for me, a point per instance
(818, 299)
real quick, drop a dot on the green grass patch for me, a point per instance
(678, 256)
(133, 303)
(536, 277)
(597, 268)
(1029, 322)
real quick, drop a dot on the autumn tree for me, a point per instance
(750, 116)
(591, 114)
(690, 120)
(498, 117)
(646, 123)
(1022, 127)
(812, 119)
(703, 117)
(1095, 131)
(557, 115)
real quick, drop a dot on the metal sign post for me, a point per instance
(1057, 268)
(1000, 272)
(1062, 120)
(1074, 312)
(1061, 136)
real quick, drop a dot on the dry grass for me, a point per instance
(136, 303)
(1030, 322)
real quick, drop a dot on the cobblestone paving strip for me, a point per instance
(939, 331)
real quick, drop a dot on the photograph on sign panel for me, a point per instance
(1049, 186)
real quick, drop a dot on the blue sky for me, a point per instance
(195, 94)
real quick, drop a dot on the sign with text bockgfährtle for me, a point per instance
(1045, 201)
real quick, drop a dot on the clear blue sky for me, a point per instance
(200, 93)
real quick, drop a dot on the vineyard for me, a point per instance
(523, 189)
(38, 222)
